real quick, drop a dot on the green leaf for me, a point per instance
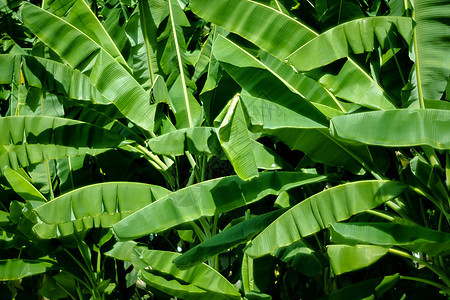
(81, 52)
(302, 257)
(301, 133)
(414, 238)
(187, 110)
(362, 256)
(13, 269)
(207, 199)
(321, 210)
(98, 205)
(250, 20)
(226, 239)
(282, 35)
(235, 140)
(199, 282)
(431, 47)
(396, 128)
(22, 186)
(260, 81)
(368, 289)
(357, 36)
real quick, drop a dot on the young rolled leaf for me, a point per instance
(357, 36)
(362, 256)
(226, 239)
(14, 269)
(413, 238)
(200, 282)
(396, 128)
(320, 210)
(235, 141)
(105, 73)
(98, 205)
(207, 199)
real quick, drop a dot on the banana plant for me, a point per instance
(233, 149)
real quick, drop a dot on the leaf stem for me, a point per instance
(432, 268)
(435, 284)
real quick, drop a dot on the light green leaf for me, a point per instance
(199, 282)
(235, 140)
(13, 269)
(320, 210)
(414, 238)
(22, 186)
(357, 36)
(361, 256)
(81, 52)
(431, 47)
(260, 81)
(396, 128)
(207, 199)
(98, 205)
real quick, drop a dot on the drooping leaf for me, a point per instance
(414, 238)
(320, 211)
(284, 38)
(260, 81)
(357, 36)
(22, 186)
(81, 52)
(98, 205)
(206, 199)
(13, 269)
(362, 256)
(200, 282)
(226, 239)
(395, 128)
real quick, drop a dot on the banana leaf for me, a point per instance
(235, 141)
(431, 47)
(320, 211)
(174, 61)
(395, 128)
(300, 133)
(14, 269)
(362, 256)
(204, 141)
(260, 81)
(22, 186)
(357, 36)
(413, 238)
(226, 239)
(207, 199)
(81, 52)
(98, 205)
(200, 282)
(80, 16)
(280, 35)
(368, 289)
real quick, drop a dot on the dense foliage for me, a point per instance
(285, 149)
